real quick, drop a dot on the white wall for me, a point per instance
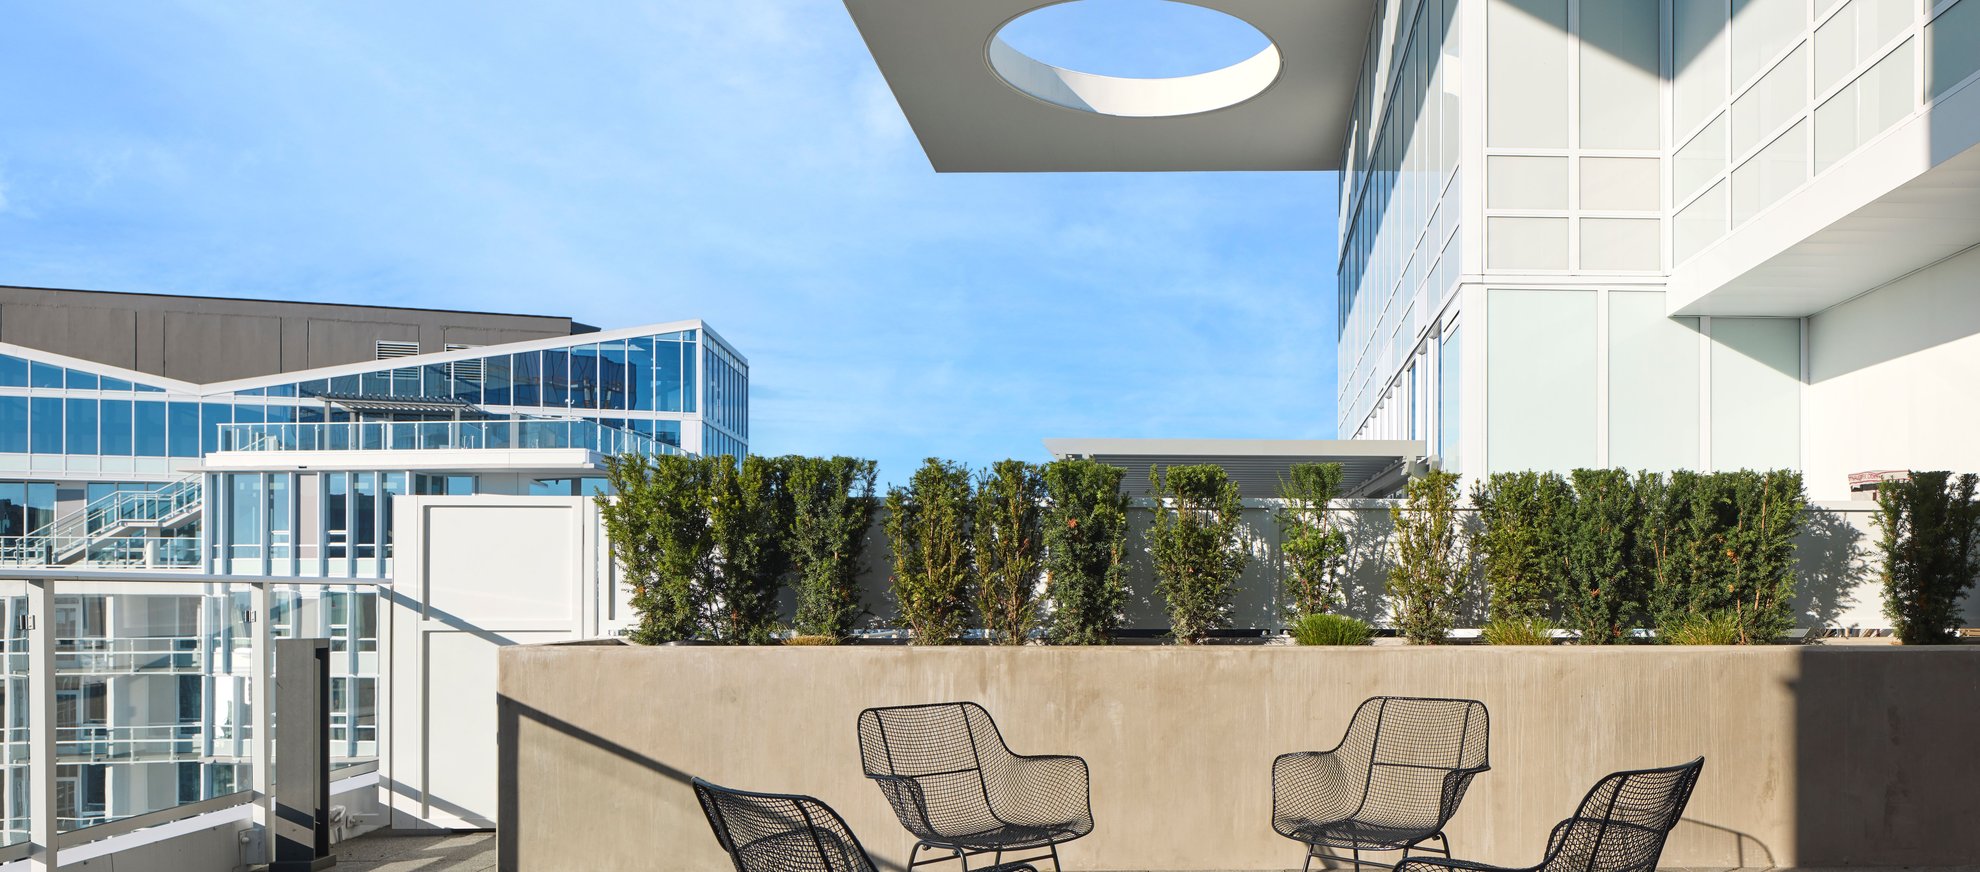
(1893, 377)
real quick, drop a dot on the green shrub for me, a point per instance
(1008, 549)
(1601, 593)
(1722, 628)
(1310, 543)
(657, 524)
(1198, 547)
(1524, 521)
(929, 525)
(1085, 530)
(749, 519)
(1519, 631)
(1930, 534)
(832, 507)
(812, 640)
(1431, 574)
(1722, 545)
(1325, 629)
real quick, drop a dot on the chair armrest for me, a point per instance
(1314, 785)
(1456, 782)
(1044, 790)
(909, 801)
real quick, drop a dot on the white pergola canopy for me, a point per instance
(978, 105)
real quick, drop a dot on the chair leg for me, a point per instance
(1357, 859)
(1055, 856)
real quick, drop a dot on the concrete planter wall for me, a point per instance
(1815, 756)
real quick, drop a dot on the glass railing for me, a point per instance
(122, 552)
(433, 435)
(154, 686)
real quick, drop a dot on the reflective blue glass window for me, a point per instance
(690, 388)
(147, 389)
(375, 384)
(526, 373)
(668, 432)
(309, 414)
(556, 378)
(251, 392)
(585, 384)
(82, 381)
(13, 371)
(211, 416)
(405, 381)
(467, 377)
(495, 380)
(281, 390)
(46, 376)
(45, 425)
(613, 380)
(150, 427)
(183, 425)
(115, 384)
(639, 374)
(667, 376)
(280, 414)
(13, 425)
(246, 414)
(344, 384)
(81, 426)
(13, 507)
(436, 380)
(117, 428)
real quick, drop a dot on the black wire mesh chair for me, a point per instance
(960, 790)
(1391, 784)
(780, 832)
(1621, 826)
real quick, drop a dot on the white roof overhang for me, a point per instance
(938, 57)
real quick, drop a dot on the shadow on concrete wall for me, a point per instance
(1749, 852)
(509, 716)
(1831, 560)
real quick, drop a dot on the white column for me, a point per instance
(261, 690)
(41, 725)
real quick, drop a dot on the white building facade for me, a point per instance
(1649, 234)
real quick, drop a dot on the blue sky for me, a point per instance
(742, 163)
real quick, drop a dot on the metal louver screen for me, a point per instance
(469, 370)
(387, 349)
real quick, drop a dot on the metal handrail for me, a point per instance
(434, 435)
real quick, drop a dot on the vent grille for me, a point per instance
(469, 370)
(391, 349)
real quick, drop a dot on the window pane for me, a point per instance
(46, 423)
(556, 378)
(13, 371)
(612, 378)
(81, 425)
(212, 415)
(47, 376)
(667, 376)
(150, 427)
(1526, 74)
(117, 427)
(526, 373)
(82, 381)
(184, 426)
(495, 380)
(585, 377)
(13, 425)
(639, 374)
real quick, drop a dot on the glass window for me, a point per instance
(1620, 81)
(280, 518)
(1526, 75)
(281, 390)
(364, 514)
(13, 508)
(336, 515)
(667, 378)
(81, 426)
(81, 381)
(115, 384)
(45, 422)
(244, 506)
(394, 484)
(46, 376)
(586, 384)
(639, 374)
(556, 378)
(148, 419)
(183, 424)
(495, 380)
(13, 425)
(1653, 385)
(117, 428)
(346, 384)
(1952, 44)
(526, 373)
(13, 371)
(212, 415)
(1699, 42)
(613, 382)
(1756, 393)
(690, 389)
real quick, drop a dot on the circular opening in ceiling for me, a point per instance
(1134, 58)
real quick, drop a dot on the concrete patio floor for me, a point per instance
(442, 852)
